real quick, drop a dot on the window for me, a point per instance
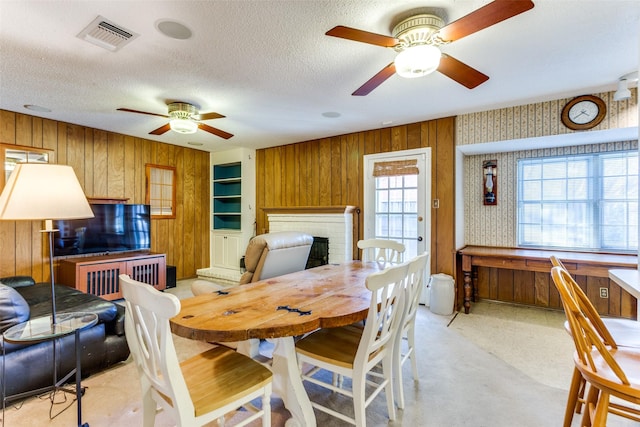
(11, 155)
(396, 214)
(161, 190)
(582, 202)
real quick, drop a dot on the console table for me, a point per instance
(99, 275)
(536, 260)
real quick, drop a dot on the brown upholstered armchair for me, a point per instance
(274, 254)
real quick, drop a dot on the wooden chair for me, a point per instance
(199, 390)
(414, 286)
(352, 351)
(608, 369)
(381, 250)
(612, 332)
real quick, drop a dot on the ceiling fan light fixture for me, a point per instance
(417, 61)
(185, 126)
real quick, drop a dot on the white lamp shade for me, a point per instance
(37, 191)
(183, 126)
(417, 61)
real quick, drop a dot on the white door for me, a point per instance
(397, 190)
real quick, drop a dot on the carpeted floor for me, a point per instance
(499, 366)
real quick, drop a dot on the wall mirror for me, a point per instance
(11, 155)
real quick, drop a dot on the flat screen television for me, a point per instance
(115, 228)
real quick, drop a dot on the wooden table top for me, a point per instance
(335, 295)
(544, 254)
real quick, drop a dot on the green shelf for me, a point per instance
(226, 222)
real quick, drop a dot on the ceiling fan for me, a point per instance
(418, 38)
(184, 118)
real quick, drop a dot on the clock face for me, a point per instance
(583, 112)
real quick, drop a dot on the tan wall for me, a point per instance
(495, 225)
(111, 165)
(329, 172)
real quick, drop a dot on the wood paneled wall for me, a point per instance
(111, 165)
(329, 172)
(537, 289)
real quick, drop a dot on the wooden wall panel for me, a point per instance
(23, 130)
(111, 165)
(537, 289)
(188, 205)
(541, 289)
(129, 168)
(115, 162)
(325, 174)
(329, 172)
(100, 166)
(443, 164)
(260, 189)
(88, 161)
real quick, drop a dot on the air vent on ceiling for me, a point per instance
(106, 34)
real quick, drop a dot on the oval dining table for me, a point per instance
(280, 309)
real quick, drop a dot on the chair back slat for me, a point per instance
(385, 312)
(147, 314)
(381, 250)
(414, 286)
(589, 310)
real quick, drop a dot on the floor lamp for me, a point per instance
(41, 191)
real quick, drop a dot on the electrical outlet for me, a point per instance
(604, 292)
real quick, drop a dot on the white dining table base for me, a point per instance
(287, 381)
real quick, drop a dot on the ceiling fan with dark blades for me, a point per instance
(418, 38)
(184, 118)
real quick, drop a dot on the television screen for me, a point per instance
(115, 228)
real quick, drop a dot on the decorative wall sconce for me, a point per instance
(490, 182)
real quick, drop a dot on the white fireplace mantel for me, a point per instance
(333, 222)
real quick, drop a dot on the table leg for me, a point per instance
(474, 283)
(287, 383)
(79, 379)
(467, 291)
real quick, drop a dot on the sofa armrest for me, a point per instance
(17, 281)
(116, 326)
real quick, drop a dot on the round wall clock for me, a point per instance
(583, 112)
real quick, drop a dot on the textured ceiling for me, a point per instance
(268, 67)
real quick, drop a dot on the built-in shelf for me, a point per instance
(227, 196)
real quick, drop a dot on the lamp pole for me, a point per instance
(48, 228)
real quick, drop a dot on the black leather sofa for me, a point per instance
(30, 367)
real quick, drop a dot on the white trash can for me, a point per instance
(442, 289)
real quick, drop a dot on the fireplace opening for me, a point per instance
(319, 254)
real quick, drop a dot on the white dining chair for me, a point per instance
(198, 390)
(413, 290)
(381, 250)
(352, 351)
